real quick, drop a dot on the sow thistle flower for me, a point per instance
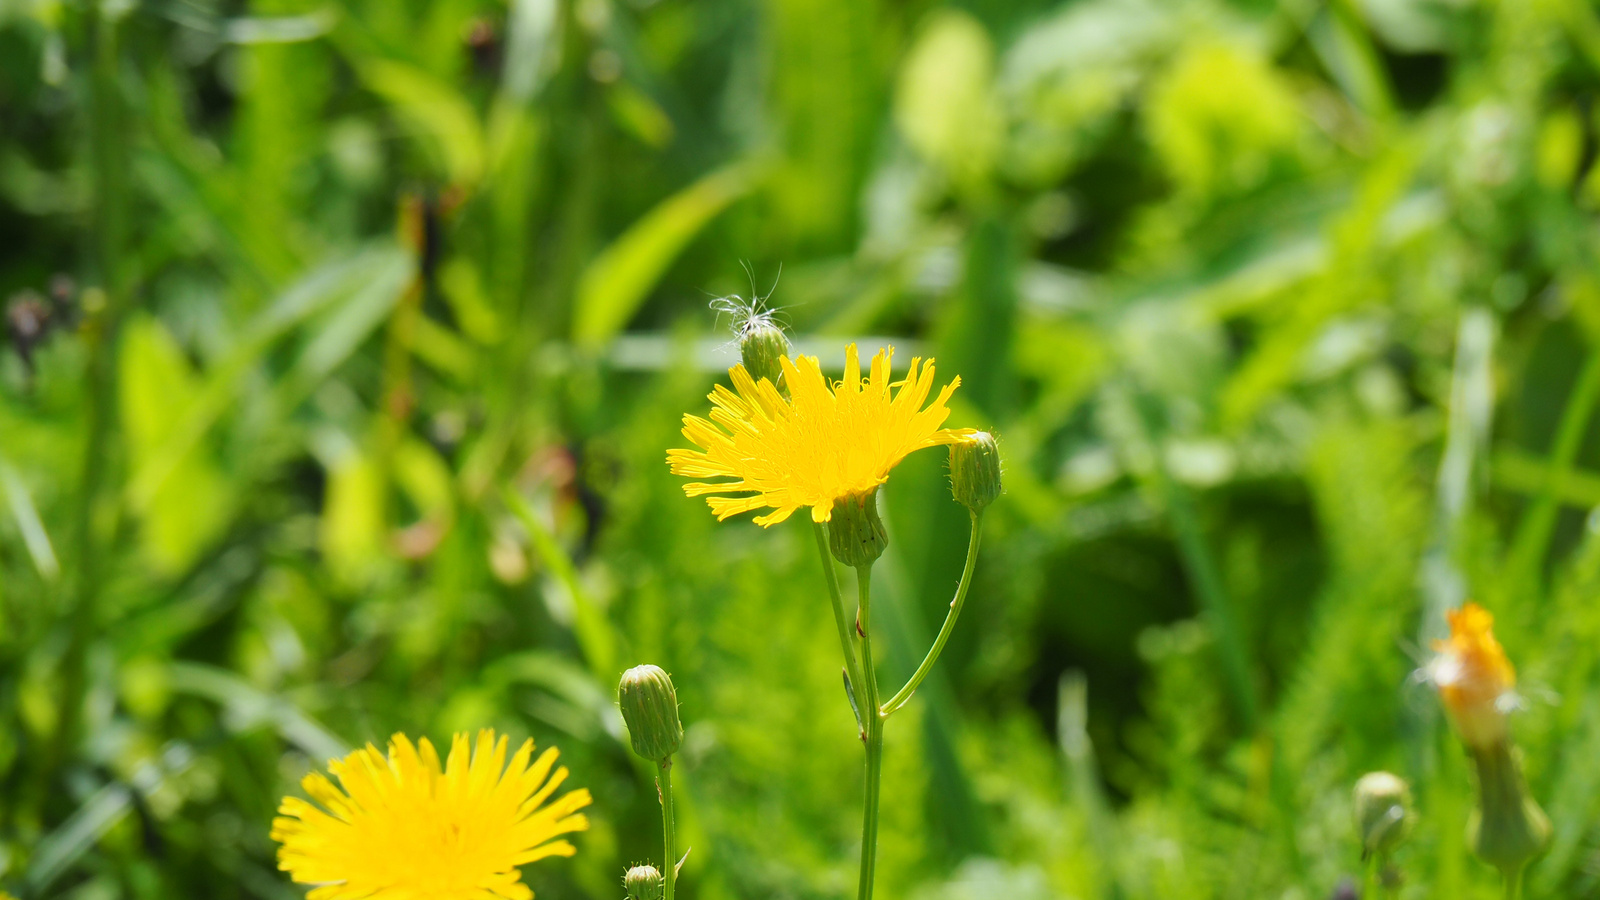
(406, 828)
(821, 445)
(1474, 678)
(1476, 683)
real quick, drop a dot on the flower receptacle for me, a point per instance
(856, 535)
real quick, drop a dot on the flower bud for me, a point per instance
(855, 533)
(1508, 828)
(643, 883)
(650, 707)
(975, 470)
(1383, 812)
(761, 346)
(1474, 678)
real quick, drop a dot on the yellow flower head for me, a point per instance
(821, 444)
(1473, 676)
(405, 828)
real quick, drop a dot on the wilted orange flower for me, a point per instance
(821, 444)
(407, 828)
(1474, 678)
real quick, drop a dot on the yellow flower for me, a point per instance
(821, 444)
(403, 828)
(1473, 676)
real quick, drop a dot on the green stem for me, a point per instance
(108, 142)
(903, 696)
(846, 641)
(671, 872)
(874, 738)
(1200, 566)
(1514, 885)
(1214, 598)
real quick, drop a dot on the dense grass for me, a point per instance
(347, 340)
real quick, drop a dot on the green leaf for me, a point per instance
(436, 112)
(383, 268)
(156, 388)
(26, 515)
(617, 282)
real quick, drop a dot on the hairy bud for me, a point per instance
(643, 883)
(1383, 812)
(650, 707)
(761, 346)
(975, 470)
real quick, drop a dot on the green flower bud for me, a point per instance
(855, 533)
(975, 471)
(1383, 812)
(650, 707)
(1508, 828)
(643, 883)
(761, 346)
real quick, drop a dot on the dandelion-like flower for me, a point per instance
(821, 444)
(406, 828)
(1474, 678)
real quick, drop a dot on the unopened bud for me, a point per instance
(975, 470)
(1508, 828)
(761, 346)
(650, 707)
(1383, 812)
(643, 883)
(855, 533)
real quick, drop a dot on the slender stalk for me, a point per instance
(1514, 884)
(1380, 880)
(108, 164)
(1202, 567)
(846, 640)
(874, 738)
(904, 694)
(671, 872)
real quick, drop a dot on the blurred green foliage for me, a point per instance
(346, 338)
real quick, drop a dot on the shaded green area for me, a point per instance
(345, 342)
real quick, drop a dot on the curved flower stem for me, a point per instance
(671, 872)
(873, 737)
(846, 641)
(1514, 884)
(904, 695)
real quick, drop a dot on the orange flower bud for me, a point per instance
(1474, 678)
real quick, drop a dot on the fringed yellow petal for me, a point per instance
(819, 444)
(405, 827)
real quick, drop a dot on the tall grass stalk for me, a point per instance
(108, 168)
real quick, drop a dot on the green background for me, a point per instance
(346, 340)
